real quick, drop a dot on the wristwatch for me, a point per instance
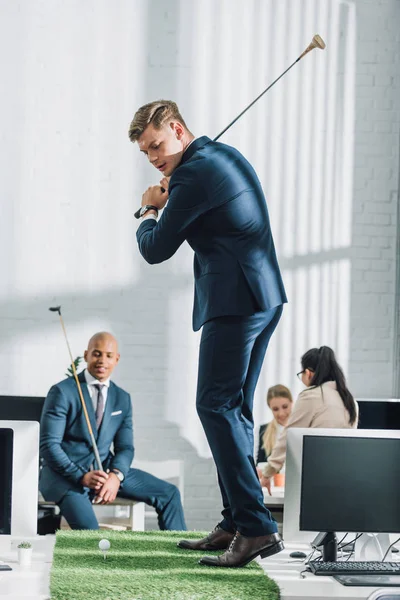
(118, 474)
(143, 210)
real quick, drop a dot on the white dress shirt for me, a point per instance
(91, 381)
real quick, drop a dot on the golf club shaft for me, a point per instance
(254, 101)
(250, 105)
(317, 42)
(247, 108)
(85, 412)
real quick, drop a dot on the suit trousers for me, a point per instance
(77, 509)
(232, 351)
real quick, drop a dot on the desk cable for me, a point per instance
(391, 545)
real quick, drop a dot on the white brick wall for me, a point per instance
(325, 143)
(374, 329)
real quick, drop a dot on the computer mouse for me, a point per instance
(297, 554)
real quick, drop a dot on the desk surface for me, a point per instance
(286, 572)
(30, 583)
(277, 497)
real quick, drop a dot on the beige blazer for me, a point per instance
(321, 406)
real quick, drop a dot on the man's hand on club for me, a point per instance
(109, 491)
(165, 183)
(155, 196)
(94, 479)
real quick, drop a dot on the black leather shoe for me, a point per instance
(245, 549)
(218, 539)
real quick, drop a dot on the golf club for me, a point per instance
(316, 42)
(85, 412)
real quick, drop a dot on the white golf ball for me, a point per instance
(104, 545)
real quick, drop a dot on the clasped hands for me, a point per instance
(106, 485)
(155, 196)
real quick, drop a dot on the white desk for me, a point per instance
(276, 499)
(23, 583)
(286, 572)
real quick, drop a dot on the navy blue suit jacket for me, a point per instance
(216, 203)
(65, 445)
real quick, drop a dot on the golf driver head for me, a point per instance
(55, 309)
(318, 42)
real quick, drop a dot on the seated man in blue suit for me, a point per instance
(67, 477)
(216, 204)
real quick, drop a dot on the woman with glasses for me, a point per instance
(326, 402)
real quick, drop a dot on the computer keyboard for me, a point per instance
(354, 568)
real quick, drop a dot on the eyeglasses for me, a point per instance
(300, 373)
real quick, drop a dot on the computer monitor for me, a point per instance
(23, 477)
(350, 484)
(6, 465)
(366, 501)
(21, 408)
(377, 413)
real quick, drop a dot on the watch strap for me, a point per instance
(118, 473)
(143, 210)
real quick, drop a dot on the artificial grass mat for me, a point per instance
(147, 566)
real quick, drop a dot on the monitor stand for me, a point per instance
(328, 541)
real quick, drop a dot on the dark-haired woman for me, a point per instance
(326, 403)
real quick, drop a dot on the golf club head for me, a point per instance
(316, 42)
(55, 309)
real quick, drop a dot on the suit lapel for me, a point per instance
(89, 406)
(110, 405)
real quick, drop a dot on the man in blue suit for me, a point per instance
(216, 204)
(67, 477)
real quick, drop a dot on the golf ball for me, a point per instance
(104, 545)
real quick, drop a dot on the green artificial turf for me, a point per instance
(147, 566)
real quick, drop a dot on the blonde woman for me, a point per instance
(280, 402)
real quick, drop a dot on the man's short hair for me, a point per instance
(157, 113)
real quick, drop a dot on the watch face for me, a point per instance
(144, 209)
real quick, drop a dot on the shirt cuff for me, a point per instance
(150, 216)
